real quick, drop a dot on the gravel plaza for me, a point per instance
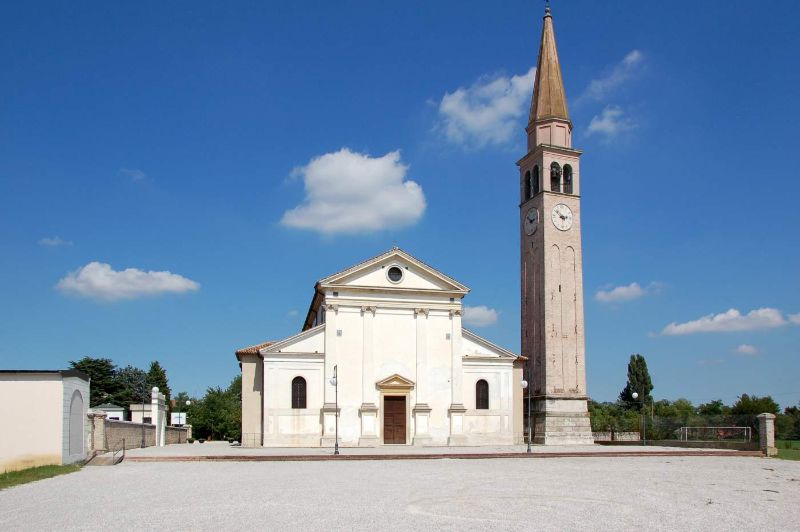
(586, 493)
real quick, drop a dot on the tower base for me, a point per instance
(558, 421)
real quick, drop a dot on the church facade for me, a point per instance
(383, 345)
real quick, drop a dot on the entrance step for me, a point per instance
(105, 459)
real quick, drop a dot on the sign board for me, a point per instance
(178, 418)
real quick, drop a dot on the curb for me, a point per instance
(458, 456)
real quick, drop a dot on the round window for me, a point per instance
(395, 274)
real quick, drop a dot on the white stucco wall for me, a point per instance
(37, 433)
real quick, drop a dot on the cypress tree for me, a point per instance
(638, 381)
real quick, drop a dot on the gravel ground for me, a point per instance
(664, 493)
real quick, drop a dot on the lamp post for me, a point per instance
(335, 383)
(188, 403)
(143, 392)
(644, 421)
(525, 387)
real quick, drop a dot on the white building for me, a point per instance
(112, 411)
(43, 417)
(406, 371)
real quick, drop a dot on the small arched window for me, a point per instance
(555, 177)
(535, 180)
(482, 395)
(567, 179)
(298, 392)
(527, 186)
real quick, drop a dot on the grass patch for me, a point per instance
(15, 478)
(788, 449)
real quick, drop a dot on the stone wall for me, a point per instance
(615, 436)
(178, 434)
(108, 434)
(131, 432)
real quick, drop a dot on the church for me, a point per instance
(382, 357)
(382, 345)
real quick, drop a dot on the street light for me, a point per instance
(335, 383)
(644, 421)
(178, 404)
(525, 387)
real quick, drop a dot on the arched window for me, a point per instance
(482, 395)
(567, 179)
(555, 177)
(527, 186)
(298, 392)
(535, 180)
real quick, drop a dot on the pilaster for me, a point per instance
(329, 412)
(421, 318)
(331, 341)
(456, 353)
(422, 417)
(367, 356)
(369, 425)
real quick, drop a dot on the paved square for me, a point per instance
(663, 493)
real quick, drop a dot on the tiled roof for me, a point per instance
(253, 349)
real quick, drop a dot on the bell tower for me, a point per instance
(550, 256)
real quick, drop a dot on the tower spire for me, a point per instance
(549, 99)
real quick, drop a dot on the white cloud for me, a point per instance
(610, 122)
(794, 318)
(480, 316)
(730, 321)
(348, 192)
(99, 281)
(747, 349)
(488, 111)
(622, 72)
(620, 293)
(54, 242)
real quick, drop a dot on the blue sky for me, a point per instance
(230, 146)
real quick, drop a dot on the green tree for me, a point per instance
(747, 407)
(219, 413)
(752, 405)
(713, 408)
(132, 386)
(638, 381)
(157, 376)
(101, 371)
(792, 423)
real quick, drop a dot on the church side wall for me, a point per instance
(252, 400)
(284, 425)
(495, 425)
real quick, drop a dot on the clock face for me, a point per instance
(562, 217)
(531, 221)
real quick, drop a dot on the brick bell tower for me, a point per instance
(551, 271)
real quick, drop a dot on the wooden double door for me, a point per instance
(394, 419)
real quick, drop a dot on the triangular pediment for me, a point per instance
(395, 381)
(414, 274)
